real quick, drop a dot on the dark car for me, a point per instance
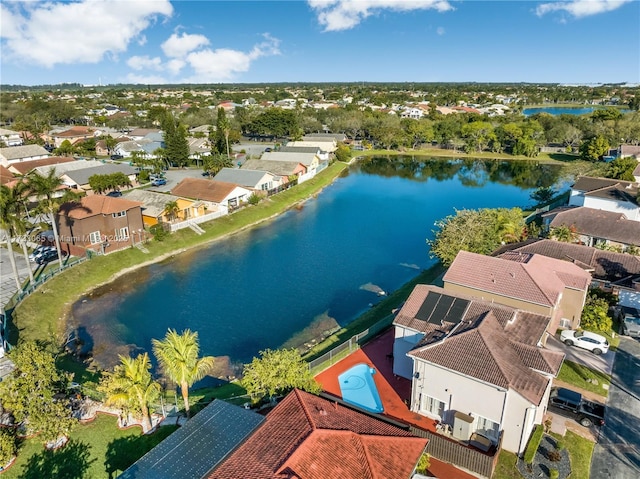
(48, 256)
(115, 194)
(571, 403)
(117, 157)
(159, 182)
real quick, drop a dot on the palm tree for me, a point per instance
(171, 209)
(178, 356)
(9, 202)
(564, 233)
(131, 387)
(45, 188)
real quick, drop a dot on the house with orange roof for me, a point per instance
(216, 193)
(530, 282)
(74, 135)
(102, 224)
(476, 366)
(312, 437)
(25, 167)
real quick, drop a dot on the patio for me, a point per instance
(395, 392)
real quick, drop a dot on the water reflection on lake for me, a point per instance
(311, 269)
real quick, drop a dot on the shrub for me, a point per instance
(254, 199)
(553, 474)
(560, 445)
(423, 464)
(7, 445)
(158, 232)
(554, 455)
(533, 445)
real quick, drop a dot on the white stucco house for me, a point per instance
(617, 196)
(476, 366)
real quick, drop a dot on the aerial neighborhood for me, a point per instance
(498, 354)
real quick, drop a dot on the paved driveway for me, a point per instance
(176, 176)
(617, 453)
(603, 363)
(7, 281)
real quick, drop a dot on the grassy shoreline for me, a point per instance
(553, 158)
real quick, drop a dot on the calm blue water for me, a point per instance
(559, 111)
(318, 265)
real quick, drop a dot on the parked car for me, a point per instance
(115, 194)
(45, 238)
(631, 324)
(39, 251)
(586, 340)
(159, 182)
(587, 413)
(117, 157)
(48, 256)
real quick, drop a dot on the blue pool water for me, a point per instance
(358, 388)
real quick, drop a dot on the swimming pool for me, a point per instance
(358, 388)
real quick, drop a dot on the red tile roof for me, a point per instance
(310, 437)
(95, 205)
(207, 190)
(25, 167)
(535, 279)
(73, 132)
(5, 175)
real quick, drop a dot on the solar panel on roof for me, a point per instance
(457, 310)
(442, 309)
(424, 313)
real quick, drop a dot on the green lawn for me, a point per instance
(96, 450)
(579, 448)
(581, 376)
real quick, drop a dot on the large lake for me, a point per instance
(310, 269)
(563, 110)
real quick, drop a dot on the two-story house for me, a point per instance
(529, 282)
(617, 196)
(99, 223)
(475, 366)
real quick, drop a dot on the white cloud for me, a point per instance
(145, 62)
(336, 15)
(580, 8)
(49, 33)
(200, 65)
(145, 79)
(178, 46)
(440, 31)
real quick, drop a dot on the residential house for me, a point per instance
(309, 160)
(140, 133)
(25, 167)
(79, 179)
(606, 194)
(626, 151)
(618, 273)
(284, 169)
(596, 227)
(10, 137)
(99, 223)
(529, 282)
(323, 155)
(17, 154)
(311, 437)
(101, 145)
(337, 137)
(324, 144)
(414, 113)
(258, 180)
(193, 450)
(6, 175)
(154, 206)
(476, 366)
(214, 193)
(74, 135)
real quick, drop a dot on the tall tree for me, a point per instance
(594, 148)
(564, 233)
(171, 209)
(10, 201)
(178, 357)
(47, 189)
(131, 387)
(29, 392)
(223, 128)
(278, 372)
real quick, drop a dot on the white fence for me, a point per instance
(198, 219)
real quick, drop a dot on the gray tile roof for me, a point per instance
(24, 151)
(242, 177)
(198, 446)
(281, 168)
(599, 224)
(81, 177)
(616, 190)
(153, 203)
(299, 149)
(304, 158)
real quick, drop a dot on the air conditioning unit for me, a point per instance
(462, 426)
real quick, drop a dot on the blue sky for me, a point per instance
(162, 41)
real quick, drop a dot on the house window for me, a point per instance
(433, 406)
(565, 323)
(487, 428)
(122, 234)
(119, 214)
(94, 237)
